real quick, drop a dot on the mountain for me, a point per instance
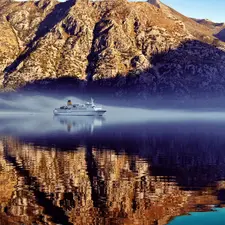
(143, 47)
(217, 29)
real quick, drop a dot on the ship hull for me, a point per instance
(79, 113)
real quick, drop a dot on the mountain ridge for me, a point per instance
(217, 29)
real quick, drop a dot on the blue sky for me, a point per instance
(202, 9)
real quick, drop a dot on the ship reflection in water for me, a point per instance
(99, 173)
(78, 124)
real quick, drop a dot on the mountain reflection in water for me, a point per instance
(83, 170)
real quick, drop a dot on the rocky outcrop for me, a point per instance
(108, 41)
(155, 3)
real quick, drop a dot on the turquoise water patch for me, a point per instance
(198, 218)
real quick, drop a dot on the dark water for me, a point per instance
(115, 169)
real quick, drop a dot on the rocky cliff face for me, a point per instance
(154, 47)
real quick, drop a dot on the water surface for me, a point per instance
(156, 168)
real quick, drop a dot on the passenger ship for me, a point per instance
(86, 109)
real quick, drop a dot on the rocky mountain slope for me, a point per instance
(143, 45)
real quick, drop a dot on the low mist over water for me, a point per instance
(43, 106)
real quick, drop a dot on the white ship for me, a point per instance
(86, 109)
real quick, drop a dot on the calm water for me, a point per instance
(108, 170)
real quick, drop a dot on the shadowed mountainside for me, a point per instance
(221, 35)
(193, 69)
